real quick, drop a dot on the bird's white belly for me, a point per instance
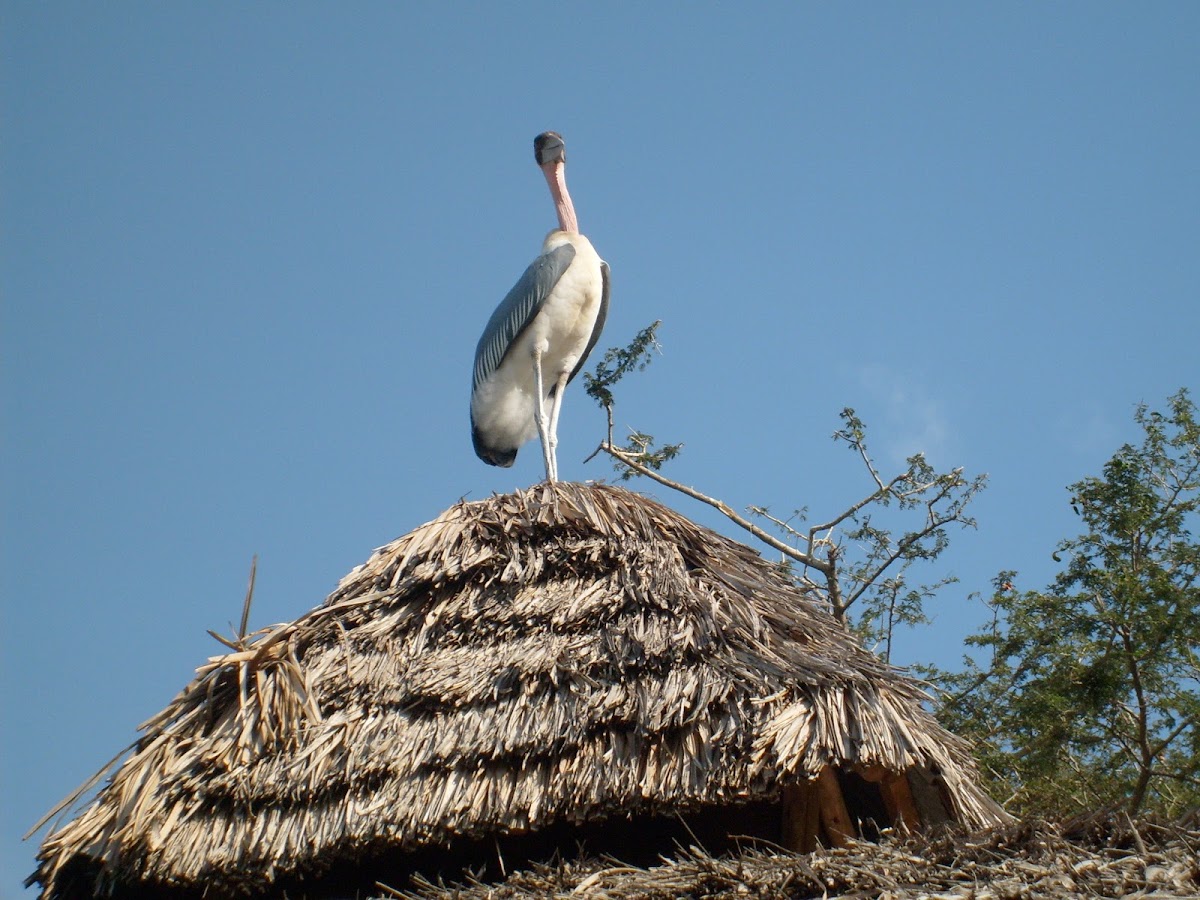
(565, 324)
(503, 406)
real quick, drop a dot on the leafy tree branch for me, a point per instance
(1091, 689)
(851, 559)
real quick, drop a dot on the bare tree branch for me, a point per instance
(628, 459)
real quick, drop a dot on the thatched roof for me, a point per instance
(1107, 857)
(561, 654)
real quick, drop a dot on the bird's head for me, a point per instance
(548, 148)
(551, 155)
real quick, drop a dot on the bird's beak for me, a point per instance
(548, 147)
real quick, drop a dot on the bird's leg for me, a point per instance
(539, 414)
(555, 406)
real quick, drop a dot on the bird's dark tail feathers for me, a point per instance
(493, 456)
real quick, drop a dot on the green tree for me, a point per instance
(1091, 695)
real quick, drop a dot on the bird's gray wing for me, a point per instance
(518, 309)
(601, 315)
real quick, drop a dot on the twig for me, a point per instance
(249, 597)
(786, 549)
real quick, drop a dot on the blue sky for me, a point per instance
(248, 250)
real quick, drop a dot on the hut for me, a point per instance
(569, 664)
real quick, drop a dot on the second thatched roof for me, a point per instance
(561, 654)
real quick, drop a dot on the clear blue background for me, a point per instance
(248, 250)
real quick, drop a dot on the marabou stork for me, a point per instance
(540, 335)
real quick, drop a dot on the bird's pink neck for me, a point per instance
(557, 179)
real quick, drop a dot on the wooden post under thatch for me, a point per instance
(835, 818)
(801, 817)
(896, 795)
(931, 797)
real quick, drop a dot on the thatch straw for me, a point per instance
(561, 654)
(1020, 861)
